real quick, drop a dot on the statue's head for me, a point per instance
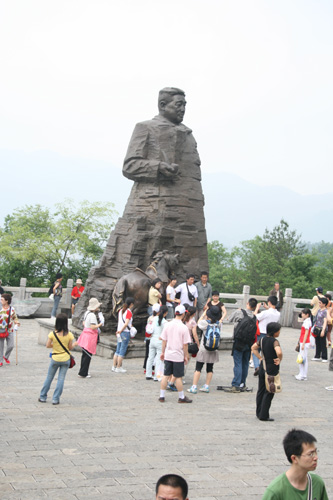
(171, 104)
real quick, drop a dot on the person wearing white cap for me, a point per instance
(89, 336)
(76, 293)
(149, 330)
(175, 339)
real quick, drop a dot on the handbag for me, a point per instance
(193, 348)
(190, 295)
(51, 297)
(272, 382)
(72, 359)
(316, 331)
(297, 348)
(4, 335)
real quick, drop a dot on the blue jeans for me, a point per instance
(56, 301)
(256, 361)
(122, 346)
(241, 366)
(54, 365)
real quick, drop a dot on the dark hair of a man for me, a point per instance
(273, 300)
(323, 300)
(272, 328)
(7, 297)
(61, 323)
(163, 310)
(174, 481)
(58, 276)
(253, 303)
(189, 275)
(204, 273)
(190, 310)
(294, 440)
(328, 296)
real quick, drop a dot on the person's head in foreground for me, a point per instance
(300, 449)
(171, 487)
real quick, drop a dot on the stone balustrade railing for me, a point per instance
(289, 312)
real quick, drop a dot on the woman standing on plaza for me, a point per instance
(89, 336)
(123, 333)
(7, 319)
(155, 347)
(60, 358)
(57, 294)
(271, 351)
(211, 315)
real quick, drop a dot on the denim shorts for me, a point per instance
(122, 346)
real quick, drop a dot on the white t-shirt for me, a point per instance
(90, 319)
(172, 293)
(122, 317)
(269, 316)
(184, 299)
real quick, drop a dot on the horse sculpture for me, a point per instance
(137, 283)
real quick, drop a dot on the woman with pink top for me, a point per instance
(304, 344)
(89, 337)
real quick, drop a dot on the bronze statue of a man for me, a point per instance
(165, 208)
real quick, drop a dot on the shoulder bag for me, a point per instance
(4, 334)
(272, 382)
(72, 359)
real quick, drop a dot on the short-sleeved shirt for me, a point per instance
(268, 316)
(172, 293)
(77, 292)
(176, 334)
(282, 489)
(321, 315)
(307, 324)
(90, 318)
(184, 298)
(268, 348)
(190, 325)
(122, 317)
(58, 352)
(204, 293)
(153, 296)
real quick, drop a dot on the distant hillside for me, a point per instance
(235, 209)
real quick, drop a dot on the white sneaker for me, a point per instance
(316, 359)
(120, 370)
(329, 388)
(324, 360)
(298, 377)
(113, 368)
(251, 364)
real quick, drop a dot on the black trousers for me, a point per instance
(85, 362)
(147, 354)
(321, 349)
(264, 398)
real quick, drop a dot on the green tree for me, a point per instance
(224, 274)
(36, 242)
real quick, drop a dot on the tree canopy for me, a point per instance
(277, 255)
(37, 242)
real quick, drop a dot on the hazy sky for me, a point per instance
(76, 75)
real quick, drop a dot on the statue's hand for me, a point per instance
(168, 170)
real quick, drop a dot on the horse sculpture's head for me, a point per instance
(170, 258)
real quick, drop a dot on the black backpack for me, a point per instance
(50, 290)
(245, 331)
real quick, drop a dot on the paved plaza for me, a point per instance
(110, 438)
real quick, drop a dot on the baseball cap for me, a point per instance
(156, 308)
(319, 289)
(180, 309)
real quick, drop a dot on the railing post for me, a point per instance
(246, 295)
(67, 296)
(288, 309)
(23, 286)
